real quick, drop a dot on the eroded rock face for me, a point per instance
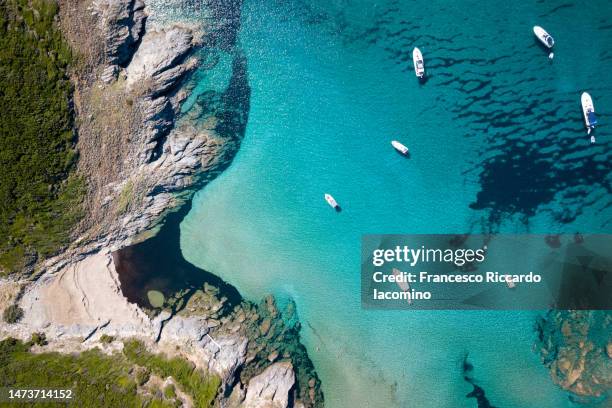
(271, 388)
(141, 156)
(158, 64)
(574, 346)
(83, 301)
(122, 23)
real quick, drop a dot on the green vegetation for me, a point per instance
(38, 339)
(12, 314)
(39, 199)
(169, 391)
(106, 339)
(99, 380)
(143, 375)
(96, 379)
(202, 388)
(125, 197)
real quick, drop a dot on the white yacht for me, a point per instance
(544, 38)
(399, 147)
(332, 202)
(419, 65)
(588, 111)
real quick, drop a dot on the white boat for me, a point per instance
(543, 36)
(511, 284)
(588, 111)
(399, 147)
(403, 285)
(545, 39)
(419, 65)
(332, 202)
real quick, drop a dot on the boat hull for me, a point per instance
(400, 147)
(543, 37)
(332, 202)
(588, 111)
(419, 64)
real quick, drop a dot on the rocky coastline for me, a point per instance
(143, 159)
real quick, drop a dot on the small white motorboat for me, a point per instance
(510, 283)
(419, 65)
(404, 286)
(399, 147)
(332, 202)
(588, 111)
(544, 38)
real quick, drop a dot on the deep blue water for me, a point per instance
(497, 143)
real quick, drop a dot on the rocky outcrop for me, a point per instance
(122, 24)
(141, 156)
(575, 346)
(254, 349)
(271, 388)
(273, 337)
(158, 62)
(83, 301)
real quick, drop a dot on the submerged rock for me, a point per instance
(575, 346)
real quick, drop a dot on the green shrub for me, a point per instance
(169, 391)
(39, 201)
(203, 388)
(106, 339)
(96, 379)
(38, 339)
(142, 375)
(126, 197)
(12, 314)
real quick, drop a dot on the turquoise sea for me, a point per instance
(497, 143)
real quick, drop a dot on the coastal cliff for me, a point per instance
(143, 157)
(140, 156)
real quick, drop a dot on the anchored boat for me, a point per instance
(400, 147)
(588, 111)
(332, 202)
(419, 65)
(544, 38)
(404, 286)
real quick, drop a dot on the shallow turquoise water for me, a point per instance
(496, 140)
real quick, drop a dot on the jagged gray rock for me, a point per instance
(165, 159)
(122, 23)
(227, 354)
(181, 329)
(270, 389)
(158, 63)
